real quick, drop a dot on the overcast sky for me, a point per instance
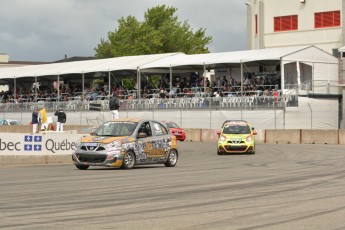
(46, 30)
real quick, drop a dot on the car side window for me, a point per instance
(159, 129)
(145, 128)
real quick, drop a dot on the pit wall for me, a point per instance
(270, 136)
(19, 147)
(278, 136)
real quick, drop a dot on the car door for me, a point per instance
(161, 141)
(144, 143)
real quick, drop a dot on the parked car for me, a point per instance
(125, 143)
(236, 136)
(176, 130)
(9, 122)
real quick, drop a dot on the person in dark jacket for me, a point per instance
(61, 119)
(35, 120)
(114, 105)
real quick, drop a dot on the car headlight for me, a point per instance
(249, 138)
(222, 138)
(114, 144)
(78, 142)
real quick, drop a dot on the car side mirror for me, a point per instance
(142, 135)
(254, 132)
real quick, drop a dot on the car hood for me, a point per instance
(176, 129)
(102, 139)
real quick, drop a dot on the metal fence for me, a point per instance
(208, 113)
(207, 103)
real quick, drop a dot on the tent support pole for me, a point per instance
(282, 77)
(139, 83)
(170, 80)
(109, 84)
(204, 78)
(15, 86)
(298, 73)
(36, 87)
(83, 85)
(241, 79)
(58, 88)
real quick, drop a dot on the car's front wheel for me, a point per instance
(128, 160)
(218, 152)
(82, 167)
(172, 159)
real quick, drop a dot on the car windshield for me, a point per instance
(172, 125)
(236, 129)
(116, 128)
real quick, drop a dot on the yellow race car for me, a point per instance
(236, 136)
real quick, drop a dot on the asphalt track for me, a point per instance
(280, 187)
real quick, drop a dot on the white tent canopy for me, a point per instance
(99, 65)
(170, 60)
(316, 58)
(342, 49)
(237, 57)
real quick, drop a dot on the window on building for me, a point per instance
(285, 23)
(327, 19)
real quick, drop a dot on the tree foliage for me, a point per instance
(160, 32)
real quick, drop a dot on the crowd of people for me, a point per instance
(220, 86)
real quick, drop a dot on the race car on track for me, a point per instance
(178, 132)
(125, 143)
(236, 136)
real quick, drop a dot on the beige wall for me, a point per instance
(325, 38)
(4, 58)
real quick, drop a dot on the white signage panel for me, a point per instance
(38, 144)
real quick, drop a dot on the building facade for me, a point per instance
(281, 23)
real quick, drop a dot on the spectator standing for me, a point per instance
(43, 117)
(114, 105)
(35, 120)
(61, 115)
(275, 96)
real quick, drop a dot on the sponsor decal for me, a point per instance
(99, 138)
(36, 143)
(32, 143)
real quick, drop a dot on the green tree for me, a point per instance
(160, 32)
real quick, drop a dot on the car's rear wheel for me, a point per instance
(128, 160)
(172, 158)
(82, 167)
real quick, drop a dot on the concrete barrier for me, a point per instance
(55, 147)
(342, 136)
(319, 137)
(278, 136)
(193, 134)
(209, 135)
(283, 136)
